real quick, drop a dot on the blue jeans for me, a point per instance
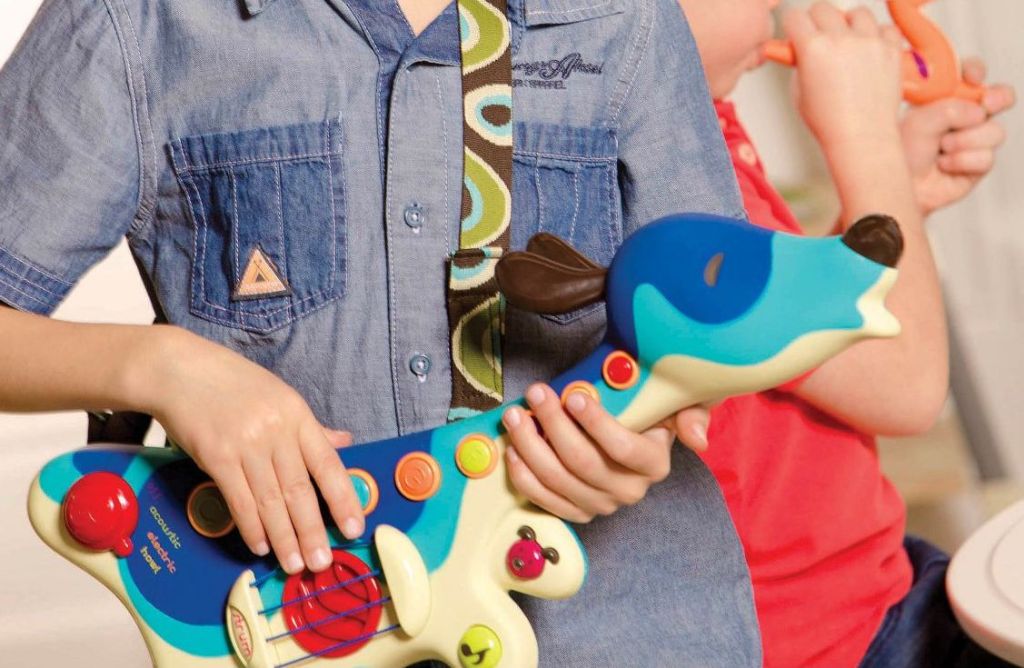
(920, 631)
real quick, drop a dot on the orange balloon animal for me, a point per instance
(931, 69)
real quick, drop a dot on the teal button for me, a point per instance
(362, 490)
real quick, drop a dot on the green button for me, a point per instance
(475, 457)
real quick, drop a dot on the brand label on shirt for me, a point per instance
(554, 73)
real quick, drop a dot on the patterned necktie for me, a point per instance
(476, 309)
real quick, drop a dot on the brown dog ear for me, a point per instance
(539, 284)
(555, 248)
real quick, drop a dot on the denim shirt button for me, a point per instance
(419, 364)
(415, 216)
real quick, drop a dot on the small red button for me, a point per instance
(101, 512)
(620, 370)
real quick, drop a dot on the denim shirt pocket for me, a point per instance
(273, 195)
(566, 183)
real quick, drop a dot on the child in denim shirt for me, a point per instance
(324, 135)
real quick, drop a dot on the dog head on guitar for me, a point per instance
(699, 307)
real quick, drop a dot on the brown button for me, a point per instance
(417, 476)
(208, 511)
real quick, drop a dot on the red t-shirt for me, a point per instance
(821, 527)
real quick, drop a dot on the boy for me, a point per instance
(821, 527)
(320, 140)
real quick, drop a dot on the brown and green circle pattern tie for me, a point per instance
(476, 309)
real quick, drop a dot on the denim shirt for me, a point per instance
(324, 134)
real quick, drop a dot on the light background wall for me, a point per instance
(52, 614)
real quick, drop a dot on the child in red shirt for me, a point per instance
(822, 528)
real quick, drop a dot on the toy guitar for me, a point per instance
(931, 69)
(699, 307)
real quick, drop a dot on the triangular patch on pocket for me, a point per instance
(260, 279)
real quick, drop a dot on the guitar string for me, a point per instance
(273, 608)
(325, 620)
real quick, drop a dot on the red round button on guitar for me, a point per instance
(336, 611)
(101, 512)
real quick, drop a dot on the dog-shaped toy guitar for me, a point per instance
(699, 307)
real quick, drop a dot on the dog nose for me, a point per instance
(876, 237)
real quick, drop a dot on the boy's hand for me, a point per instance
(588, 464)
(847, 86)
(259, 441)
(951, 144)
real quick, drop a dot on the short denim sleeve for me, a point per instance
(672, 154)
(69, 158)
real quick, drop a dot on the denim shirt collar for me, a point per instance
(391, 37)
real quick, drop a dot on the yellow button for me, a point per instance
(479, 647)
(417, 476)
(476, 456)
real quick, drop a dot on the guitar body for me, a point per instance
(192, 595)
(699, 308)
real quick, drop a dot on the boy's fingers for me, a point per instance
(938, 118)
(892, 35)
(798, 26)
(551, 472)
(692, 427)
(571, 445)
(303, 508)
(977, 162)
(273, 513)
(828, 18)
(335, 486)
(620, 444)
(338, 438)
(998, 98)
(973, 70)
(863, 22)
(529, 486)
(235, 490)
(987, 135)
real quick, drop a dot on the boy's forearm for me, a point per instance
(48, 364)
(891, 386)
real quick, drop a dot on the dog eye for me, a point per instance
(712, 268)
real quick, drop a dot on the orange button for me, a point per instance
(417, 476)
(580, 386)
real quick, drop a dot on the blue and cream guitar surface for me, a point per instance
(699, 307)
